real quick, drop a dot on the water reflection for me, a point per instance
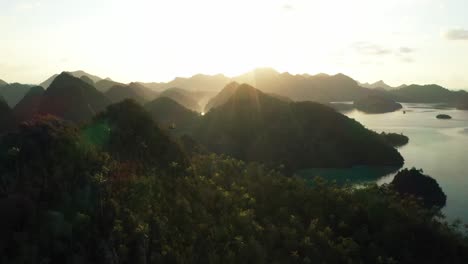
(437, 146)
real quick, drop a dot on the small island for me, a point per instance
(374, 104)
(394, 139)
(413, 182)
(443, 116)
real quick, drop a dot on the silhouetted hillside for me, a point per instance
(426, 94)
(253, 126)
(119, 93)
(78, 74)
(29, 105)
(71, 98)
(171, 115)
(143, 91)
(14, 92)
(182, 97)
(319, 88)
(104, 85)
(6, 116)
(2, 83)
(222, 97)
(86, 79)
(380, 85)
(130, 135)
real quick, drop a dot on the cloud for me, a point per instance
(368, 48)
(406, 50)
(456, 34)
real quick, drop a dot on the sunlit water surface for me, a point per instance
(439, 147)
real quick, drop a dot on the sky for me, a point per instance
(398, 41)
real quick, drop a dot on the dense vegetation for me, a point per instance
(414, 182)
(394, 139)
(116, 187)
(75, 195)
(376, 104)
(254, 126)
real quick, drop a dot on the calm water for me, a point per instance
(439, 147)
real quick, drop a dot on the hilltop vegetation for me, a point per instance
(94, 194)
(83, 181)
(413, 182)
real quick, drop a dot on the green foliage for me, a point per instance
(414, 182)
(69, 199)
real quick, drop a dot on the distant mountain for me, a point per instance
(45, 84)
(319, 88)
(199, 82)
(6, 116)
(29, 105)
(182, 97)
(377, 85)
(225, 94)
(3, 83)
(147, 93)
(254, 126)
(77, 74)
(87, 79)
(222, 97)
(426, 94)
(119, 93)
(170, 114)
(155, 86)
(104, 85)
(71, 98)
(13, 92)
(375, 104)
(462, 103)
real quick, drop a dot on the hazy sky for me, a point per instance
(399, 41)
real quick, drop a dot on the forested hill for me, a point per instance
(119, 190)
(253, 126)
